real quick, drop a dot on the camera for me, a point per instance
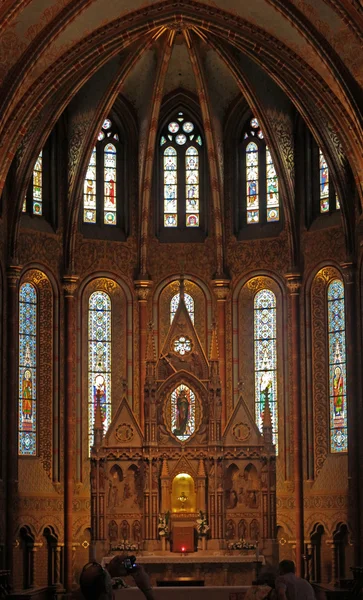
(129, 564)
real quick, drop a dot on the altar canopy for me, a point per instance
(180, 463)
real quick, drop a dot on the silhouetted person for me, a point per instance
(289, 586)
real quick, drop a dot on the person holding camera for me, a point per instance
(97, 583)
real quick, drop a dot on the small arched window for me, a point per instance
(265, 358)
(101, 190)
(99, 360)
(189, 303)
(181, 153)
(260, 186)
(28, 339)
(328, 199)
(337, 367)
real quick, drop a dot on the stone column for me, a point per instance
(293, 285)
(69, 287)
(58, 566)
(201, 487)
(165, 487)
(142, 287)
(221, 290)
(34, 564)
(355, 411)
(12, 343)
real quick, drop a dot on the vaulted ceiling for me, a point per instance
(283, 56)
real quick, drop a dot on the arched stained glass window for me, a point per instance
(27, 445)
(182, 412)
(36, 193)
(100, 194)
(261, 198)
(265, 357)
(337, 367)
(189, 303)
(328, 198)
(99, 360)
(181, 143)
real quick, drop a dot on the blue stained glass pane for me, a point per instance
(183, 412)
(337, 367)
(27, 423)
(265, 359)
(189, 303)
(99, 360)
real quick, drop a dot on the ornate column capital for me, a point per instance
(293, 282)
(221, 289)
(13, 274)
(143, 288)
(349, 271)
(70, 284)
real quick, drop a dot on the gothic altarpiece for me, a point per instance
(182, 462)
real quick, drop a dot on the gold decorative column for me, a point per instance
(69, 287)
(12, 346)
(293, 285)
(221, 290)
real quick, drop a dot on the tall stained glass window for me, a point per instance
(180, 144)
(99, 360)
(265, 357)
(27, 444)
(99, 190)
(189, 303)
(337, 367)
(262, 204)
(182, 412)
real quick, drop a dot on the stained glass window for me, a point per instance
(337, 367)
(182, 412)
(262, 202)
(265, 358)
(181, 173)
(182, 345)
(27, 444)
(99, 360)
(89, 191)
(324, 183)
(110, 184)
(36, 193)
(100, 192)
(272, 184)
(170, 187)
(252, 183)
(189, 303)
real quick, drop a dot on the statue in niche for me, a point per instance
(254, 530)
(242, 529)
(251, 499)
(125, 530)
(231, 499)
(182, 416)
(112, 531)
(136, 532)
(230, 530)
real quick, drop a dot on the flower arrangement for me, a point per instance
(202, 524)
(125, 546)
(241, 545)
(163, 525)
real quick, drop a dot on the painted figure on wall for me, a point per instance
(110, 191)
(182, 416)
(338, 387)
(99, 391)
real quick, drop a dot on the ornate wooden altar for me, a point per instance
(181, 461)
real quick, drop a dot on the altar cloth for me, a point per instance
(193, 558)
(186, 593)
